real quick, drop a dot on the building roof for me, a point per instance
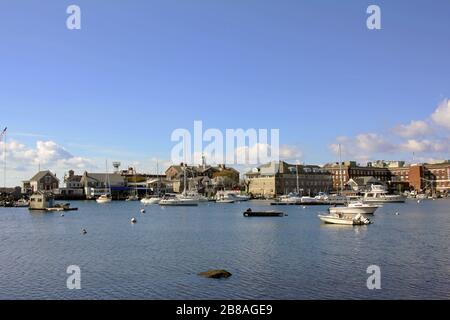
(114, 178)
(38, 176)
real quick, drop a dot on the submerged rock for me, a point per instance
(215, 274)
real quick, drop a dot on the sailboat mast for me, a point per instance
(340, 169)
(296, 173)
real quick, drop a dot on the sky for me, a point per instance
(137, 70)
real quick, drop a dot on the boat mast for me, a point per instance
(340, 170)
(296, 172)
(4, 156)
(158, 188)
(108, 186)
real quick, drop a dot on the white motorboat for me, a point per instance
(224, 201)
(378, 194)
(178, 202)
(132, 198)
(355, 208)
(311, 200)
(291, 198)
(344, 219)
(151, 200)
(235, 195)
(104, 198)
(22, 203)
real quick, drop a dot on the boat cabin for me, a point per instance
(41, 201)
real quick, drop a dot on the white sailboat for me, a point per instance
(106, 197)
(134, 196)
(182, 200)
(154, 199)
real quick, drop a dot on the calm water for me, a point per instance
(294, 257)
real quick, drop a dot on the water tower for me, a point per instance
(116, 165)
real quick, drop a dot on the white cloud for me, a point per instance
(429, 146)
(441, 116)
(413, 129)
(23, 162)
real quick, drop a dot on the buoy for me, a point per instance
(142, 210)
(418, 201)
(133, 220)
(62, 214)
(397, 213)
(304, 207)
(83, 231)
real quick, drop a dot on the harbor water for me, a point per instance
(160, 256)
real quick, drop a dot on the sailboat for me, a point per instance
(106, 197)
(134, 197)
(183, 200)
(154, 199)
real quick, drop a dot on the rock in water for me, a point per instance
(215, 274)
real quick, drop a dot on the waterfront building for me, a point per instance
(204, 178)
(41, 181)
(73, 186)
(96, 184)
(278, 177)
(396, 175)
(41, 200)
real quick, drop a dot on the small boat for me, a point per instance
(225, 201)
(132, 198)
(151, 200)
(178, 202)
(355, 208)
(379, 194)
(104, 198)
(271, 213)
(22, 203)
(342, 219)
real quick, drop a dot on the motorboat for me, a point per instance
(104, 198)
(342, 219)
(132, 198)
(22, 203)
(224, 201)
(151, 200)
(312, 201)
(178, 202)
(232, 194)
(354, 208)
(291, 198)
(378, 194)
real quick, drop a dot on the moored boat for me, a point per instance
(271, 213)
(344, 219)
(355, 208)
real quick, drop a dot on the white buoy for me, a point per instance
(418, 201)
(304, 207)
(133, 220)
(397, 213)
(62, 214)
(142, 210)
(83, 231)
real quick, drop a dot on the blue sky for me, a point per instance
(137, 70)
